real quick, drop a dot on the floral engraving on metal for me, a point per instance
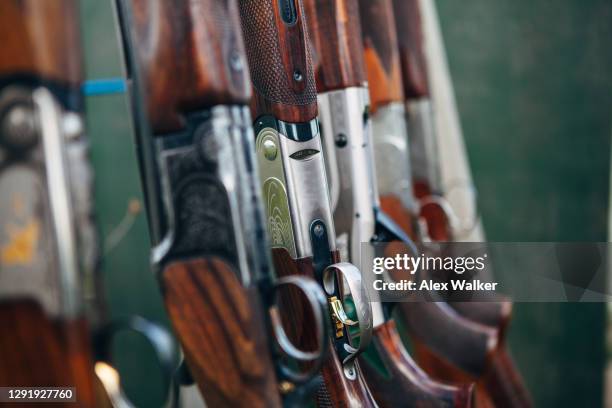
(274, 191)
(278, 216)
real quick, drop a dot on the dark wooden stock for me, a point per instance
(36, 351)
(335, 32)
(41, 39)
(381, 52)
(219, 324)
(450, 347)
(406, 385)
(411, 48)
(280, 61)
(504, 383)
(337, 390)
(191, 57)
(39, 42)
(465, 344)
(496, 311)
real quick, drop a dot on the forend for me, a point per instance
(411, 47)
(190, 57)
(381, 52)
(335, 31)
(279, 55)
(38, 45)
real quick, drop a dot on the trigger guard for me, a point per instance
(162, 342)
(352, 275)
(318, 304)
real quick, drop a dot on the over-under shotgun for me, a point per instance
(471, 346)
(45, 341)
(292, 172)
(506, 386)
(191, 88)
(423, 137)
(335, 32)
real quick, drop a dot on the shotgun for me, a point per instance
(48, 240)
(428, 188)
(292, 174)
(343, 101)
(429, 322)
(496, 313)
(41, 303)
(190, 89)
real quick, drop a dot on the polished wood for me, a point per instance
(335, 34)
(219, 325)
(190, 56)
(38, 351)
(337, 389)
(280, 61)
(40, 39)
(474, 351)
(465, 344)
(404, 384)
(411, 43)
(381, 52)
(495, 312)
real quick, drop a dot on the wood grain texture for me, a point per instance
(41, 39)
(38, 352)
(190, 55)
(335, 33)
(381, 52)
(410, 38)
(220, 326)
(337, 389)
(405, 384)
(280, 61)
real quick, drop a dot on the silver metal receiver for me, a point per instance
(348, 141)
(296, 196)
(392, 154)
(423, 143)
(39, 255)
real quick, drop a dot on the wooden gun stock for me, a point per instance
(336, 390)
(40, 41)
(279, 57)
(220, 328)
(39, 47)
(504, 383)
(40, 352)
(335, 32)
(411, 48)
(381, 52)
(401, 373)
(190, 55)
(474, 349)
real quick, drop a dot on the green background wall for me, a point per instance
(533, 81)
